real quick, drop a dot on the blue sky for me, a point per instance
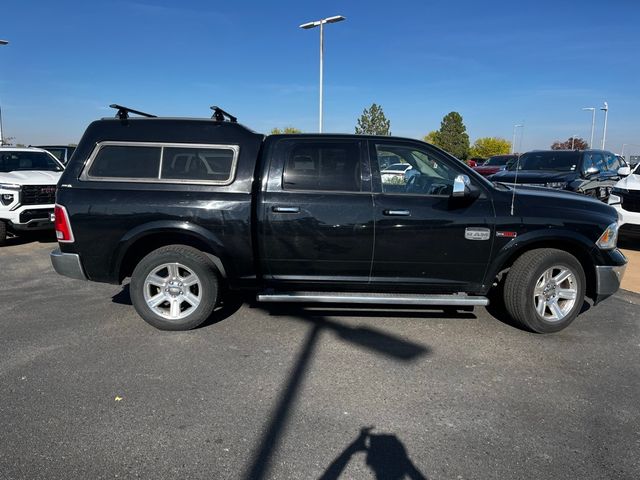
(498, 63)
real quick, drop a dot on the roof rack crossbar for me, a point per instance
(219, 115)
(123, 112)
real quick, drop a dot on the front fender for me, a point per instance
(547, 238)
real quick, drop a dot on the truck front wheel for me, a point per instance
(544, 290)
(174, 288)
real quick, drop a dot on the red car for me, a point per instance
(494, 164)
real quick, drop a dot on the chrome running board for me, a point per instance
(373, 298)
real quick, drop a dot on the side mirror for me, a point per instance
(624, 171)
(461, 186)
(592, 171)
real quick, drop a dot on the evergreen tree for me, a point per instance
(373, 122)
(452, 136)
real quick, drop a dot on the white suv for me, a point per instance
(625, 198)
(28, 178)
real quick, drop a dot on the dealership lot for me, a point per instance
(91, 391)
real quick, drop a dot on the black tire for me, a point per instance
(191, 260)
(3, 233)
(521, 282)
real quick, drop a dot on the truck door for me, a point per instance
(425, 238)
(316, 212)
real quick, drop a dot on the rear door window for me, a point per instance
(323, 166)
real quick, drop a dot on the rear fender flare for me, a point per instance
(170, 227)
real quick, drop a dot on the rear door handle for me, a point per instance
(396, 213)
(286, 209)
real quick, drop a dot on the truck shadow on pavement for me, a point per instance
(45, 236)
(393, 463)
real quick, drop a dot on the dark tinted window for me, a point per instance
(126, 162)
(323, 166)
(594, 160)
(13, 161)
(558, 161)
(499, 160)
(206, 164)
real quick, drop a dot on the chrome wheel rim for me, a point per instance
(172, 291)
(555, 293)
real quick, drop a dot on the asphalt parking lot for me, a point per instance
(91, 391)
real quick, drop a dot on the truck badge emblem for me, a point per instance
(476, 233)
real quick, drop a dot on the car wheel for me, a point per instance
(544, 290)
(174, 288)
(3, 233)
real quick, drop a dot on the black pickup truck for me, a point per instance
(187, 206)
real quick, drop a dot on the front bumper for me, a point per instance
(29, 217)
(608, 280)
(67, 264)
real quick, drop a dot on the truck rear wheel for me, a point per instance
(3, 233)
(174, 288)
(544, 290)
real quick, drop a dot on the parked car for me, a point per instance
(625, 198)
(186, 207)
(475, 161)
(28, 178)
(494, 164)
(61, 152)
(398, 173)
(591, 172)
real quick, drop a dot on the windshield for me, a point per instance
(553, 161)
(498, 160)
(25, 160)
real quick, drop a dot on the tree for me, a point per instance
(277, 131)
(373, 122)
(431, 137)
(452, 136)
(486, 147)
(572, 143)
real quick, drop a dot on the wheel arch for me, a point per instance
(578, 246)
(144, 239)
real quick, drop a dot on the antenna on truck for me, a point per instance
(515, 183)
(123, 112)
(219, 115)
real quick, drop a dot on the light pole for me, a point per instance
(513, 143)
(593, 123)
(628, 145)
(2, 42)
(320, 23)
(606, 114)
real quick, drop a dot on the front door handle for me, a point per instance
(286, 209)
(397, 213)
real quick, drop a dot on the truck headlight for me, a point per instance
(9, 194)
(609, 237)
(561, 185)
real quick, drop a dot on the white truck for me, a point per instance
(625, 198)
(28, 178)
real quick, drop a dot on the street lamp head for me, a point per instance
(309, 25)
(591, 109)
(605, 108)
(4, 42)
(317, 23)
(334, 19)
